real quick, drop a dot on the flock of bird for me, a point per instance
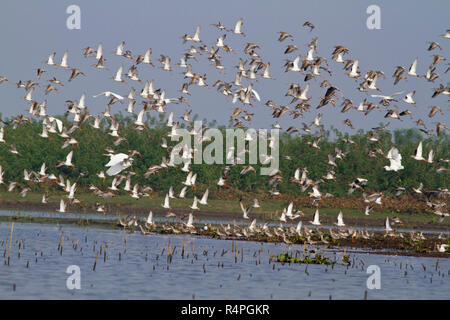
(244, 98)
(252, 231)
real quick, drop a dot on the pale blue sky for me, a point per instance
(31, 30)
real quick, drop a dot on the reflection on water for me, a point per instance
(143, 271)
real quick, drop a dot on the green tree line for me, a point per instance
(89, 158)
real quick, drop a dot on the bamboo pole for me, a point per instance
(95, 263)
(10, 241)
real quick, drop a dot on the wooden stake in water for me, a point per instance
(182, 250)
(20, 245)
(95, 263)
(62, 243)
(10, 241)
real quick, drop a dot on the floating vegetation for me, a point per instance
(307, 259)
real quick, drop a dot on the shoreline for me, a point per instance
(379, 244)
(327, 215)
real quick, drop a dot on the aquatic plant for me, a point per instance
(307, 259)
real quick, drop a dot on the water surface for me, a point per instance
(143, 271)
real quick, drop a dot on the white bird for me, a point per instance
(418, 154)
(186, 166)
(194, 205)
(149, 221)
(2, 135)
(304, 93)
(183, 193)
(51, 59)
(108, 94)
(419, 189)
(99, 52)
(289, 209)
(354, 72)
(196, 37)
(387, 98)
(245, 211)
(1, 175)
(412, 69)
(295, 65)
(395, 159)
(28, 96)
(171, 193)
(190, 223)
(58, 122)
(117, 163)
(266, 74)
(388, 225)
(283, 216)
(64, 60)
(118, 76)
(62, 207)
(188, 179)
(409, 98)
(430, 156)
(139, 121)
(298, 229)
(367, 211)
(340, 220)
(67, 162)
(238, 27)
(81, 103)
(147, 57)
(316, 193)
(71, 194)
(446, 35)
(310, 54)
(205, 198)
(221, 182)
(166, 204)
(316, 221)
(119, 50)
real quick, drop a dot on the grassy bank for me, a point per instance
(228, 209)
(378, 244)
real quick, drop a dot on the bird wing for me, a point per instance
(430, 155)
(355, 66)
(419, 150)
(413, 67)
(117, 96)
(69, 157)
(115, 169)
(256, 95)
(205, 196)
(119, 72)
(64, 58)
(238, 26)
(99, 51)
(197, 33)
(116, 159)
